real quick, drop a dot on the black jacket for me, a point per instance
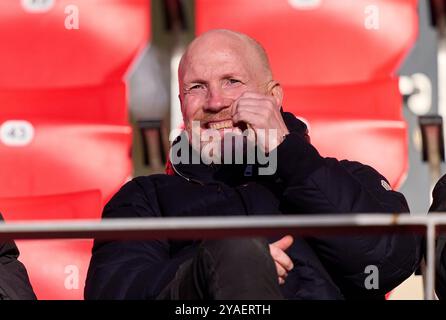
(439, 205)
(14, 281)
(325, 267)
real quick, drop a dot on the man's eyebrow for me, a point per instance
(232, 75)
(200, 81)
(224, 76)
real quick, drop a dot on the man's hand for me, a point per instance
(261, 113)
(281, 259)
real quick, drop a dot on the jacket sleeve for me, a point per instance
(324, 185)
(130, 269)
(439, 205)
(440, 266)
(14, 281)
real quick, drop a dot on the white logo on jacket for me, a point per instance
(386, 185)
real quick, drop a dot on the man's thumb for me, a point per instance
(284, 243)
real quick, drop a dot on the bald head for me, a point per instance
(248, 50)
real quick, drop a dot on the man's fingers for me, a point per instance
(253, 99)
(251, 107)
(241, 103)
(261, 114)
(247, 117)
(284, 243)
(281, 280)
(255, 95)
(281, 257)
(281, 271)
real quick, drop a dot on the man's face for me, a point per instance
(214, 75)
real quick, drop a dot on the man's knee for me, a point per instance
(239, 268)
(242, 251)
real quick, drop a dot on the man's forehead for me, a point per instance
(214, 62)
(212, 58)
(216, 50)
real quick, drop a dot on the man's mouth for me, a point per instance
(218, 125)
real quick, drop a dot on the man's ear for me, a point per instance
(277, 92)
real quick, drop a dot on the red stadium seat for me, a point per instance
(337, 61)
(65, 138)
(57, 268)
(72, 205)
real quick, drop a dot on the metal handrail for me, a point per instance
(229, 226)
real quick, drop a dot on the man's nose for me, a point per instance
(217, 101)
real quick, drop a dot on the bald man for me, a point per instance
(240, 154)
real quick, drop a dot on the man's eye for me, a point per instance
(234, 81)
(197, 86)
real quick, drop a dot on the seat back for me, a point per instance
(65, 138)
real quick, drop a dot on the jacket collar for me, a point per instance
(203, 173)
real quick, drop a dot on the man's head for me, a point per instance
(216, 69)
